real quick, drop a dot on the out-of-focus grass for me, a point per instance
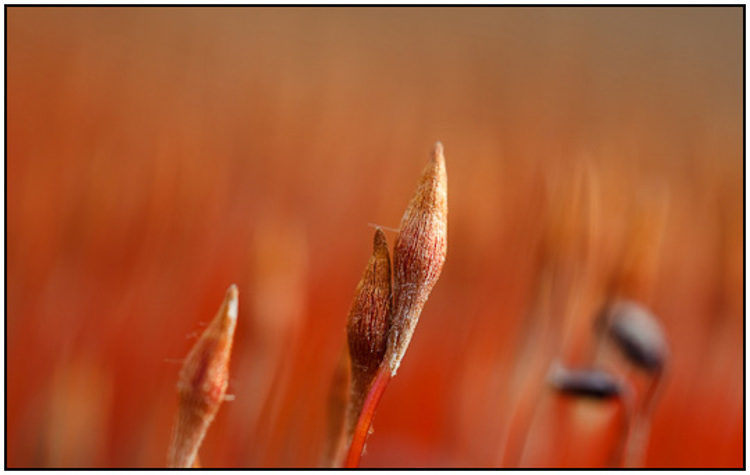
(157, 155)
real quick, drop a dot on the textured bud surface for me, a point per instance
(419, 254)
(367, 324)
(203, 383)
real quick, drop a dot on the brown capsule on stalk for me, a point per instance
(418, 255)
(637, 333)
(367, 325)
(203, 382)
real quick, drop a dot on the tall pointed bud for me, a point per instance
(419, 255)
(203, 383)
(367, 325)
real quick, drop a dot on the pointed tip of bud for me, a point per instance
(437, 153)
(379, 242)
(231, 302)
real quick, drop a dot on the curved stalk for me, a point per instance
(362, 429)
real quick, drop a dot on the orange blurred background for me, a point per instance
(157, 155)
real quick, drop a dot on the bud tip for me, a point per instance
(231, 300)
(437, 153)
(379, 241)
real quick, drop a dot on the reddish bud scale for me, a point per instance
(203, 383)
(418, 255)
(367, 325)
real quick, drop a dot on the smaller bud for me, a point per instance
(589, 383)
(419, 255)
(367, 325)
(203, 383)
(637, 333)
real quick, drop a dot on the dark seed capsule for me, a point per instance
(637, 333)
(590, 383)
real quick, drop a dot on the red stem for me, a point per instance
(362, 430)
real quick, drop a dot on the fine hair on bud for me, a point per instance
(418, 255)
(637, 333)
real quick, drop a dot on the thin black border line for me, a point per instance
(5, 223)
(744, 236)
(744, 228)
(376, 5)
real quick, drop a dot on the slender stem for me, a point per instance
(362, 430)
(638, 440)
(187, 436)
(616, 459)
(516, 456)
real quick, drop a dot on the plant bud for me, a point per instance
(203, 383)
(367, 324)
(590, 383)
(637, 333)
(418, 255)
